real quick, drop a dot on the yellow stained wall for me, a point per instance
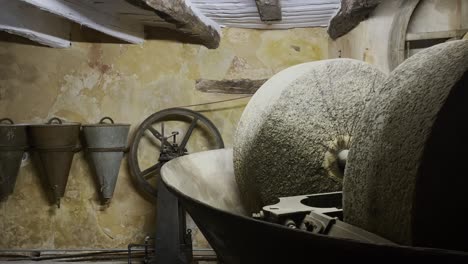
(129, 83)
(370, 40)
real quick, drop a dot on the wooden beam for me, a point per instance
(436, 35)
(127, 20)
(269, 10)
(24, 20)
(235, 86)
(351, 13)
(89, 14)
(188, 19)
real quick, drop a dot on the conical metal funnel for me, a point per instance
(55, 144)
(13, 143)
(106, 144)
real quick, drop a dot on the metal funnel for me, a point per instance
(55, 144)
(106, 144)
(13, 143)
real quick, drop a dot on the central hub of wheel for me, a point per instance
(336, 156)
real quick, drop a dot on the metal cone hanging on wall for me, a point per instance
(55, 144)
(106, 144)
(13, 143)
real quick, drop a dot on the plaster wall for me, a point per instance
(439, 15)
(129, 83)
(370, 40)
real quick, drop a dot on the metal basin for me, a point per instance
(205, 184)
(13, 143)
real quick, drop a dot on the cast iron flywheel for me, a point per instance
(166, 147)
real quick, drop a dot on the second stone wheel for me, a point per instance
(405, 177)
(294, 135)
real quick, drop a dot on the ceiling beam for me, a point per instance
(351, 13)
(129, 20)
(188, 19)
(269, 10)
(44, 28)
(84, 13)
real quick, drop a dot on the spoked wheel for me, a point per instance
(166, 135)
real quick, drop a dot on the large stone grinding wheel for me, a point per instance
(296, 125)
(406, 174)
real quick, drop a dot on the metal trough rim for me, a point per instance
(14, 125)
(106, 125)
(425, 249)
(390, 253)
(101, 123)
(68, 124)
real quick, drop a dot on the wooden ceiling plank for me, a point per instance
(244, 13)
(44, 28)
(188, 18)
(91, 16)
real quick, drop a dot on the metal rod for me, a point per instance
(82, 250)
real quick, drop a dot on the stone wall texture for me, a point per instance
(127, 82)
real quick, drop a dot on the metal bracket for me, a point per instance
(316, 213)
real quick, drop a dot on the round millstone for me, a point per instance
(291, 132)
(405, 177)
